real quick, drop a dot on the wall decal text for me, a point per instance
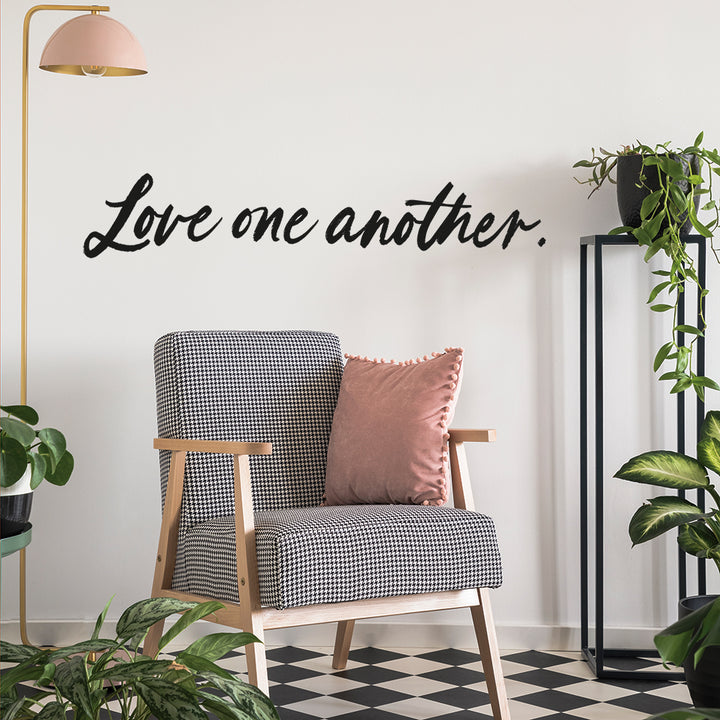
(432, 222)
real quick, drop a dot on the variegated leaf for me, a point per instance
(71, 681)
(216, 645)
(167, 701)
(660, 515)
(10, 652)
(696, 539)
(86, 646)
(197, 613)
(140, 616)
(246, 697)
(711, 425)
(52, 711)
(126, 671)
(708, 452)
(665, 469)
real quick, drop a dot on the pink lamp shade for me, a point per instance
(94, 45)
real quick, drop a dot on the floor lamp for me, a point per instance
(93, 45)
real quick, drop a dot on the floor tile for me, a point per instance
(449, 684)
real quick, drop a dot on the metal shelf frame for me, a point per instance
(596, 656)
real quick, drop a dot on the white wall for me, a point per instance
(326, 104)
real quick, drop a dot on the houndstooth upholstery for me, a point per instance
(264, 386)
(282, 387)
(339, 553)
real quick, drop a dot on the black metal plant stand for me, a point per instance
(596, 656)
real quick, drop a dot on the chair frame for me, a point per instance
(249, 616)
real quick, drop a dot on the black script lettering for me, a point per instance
(272, 220)
(514, 223)
(144, 223)
(341, 226)
(448, 224)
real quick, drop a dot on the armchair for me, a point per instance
(244, 420)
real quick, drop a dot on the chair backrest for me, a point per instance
(255, 386)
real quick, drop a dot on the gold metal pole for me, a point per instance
(23, 598)
(24, 254)
(24, 201)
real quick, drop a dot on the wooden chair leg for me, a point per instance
(257, 662)
(343, 638)
(150, 646)
(490, 655)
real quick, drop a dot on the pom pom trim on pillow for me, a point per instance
(390, 430)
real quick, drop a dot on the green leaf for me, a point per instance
(168, 701)
(52, 711)
(127, 671)
(708, 452)
(81, 648)
(54, 440)
(661, 356)
(691, 329)
(699, 139)
(45, 679)
(140, 616)
(709, 634)
(22, 412)
(63, 470)
(216, 645)
(662, 273)
(672, 375)
(657, 290)
(621, 230)
(202, 665)
(650, 203)
(711, 425)
(661, 307)
(681, 385)
(70, 679)
(39, 467)
(221, 708)
(696, 539)
(246, 697)
(11, 709)
(665, 468)
(197, 613)
(705, 382)
(13, 461)
(661, 514)
(101, 619)
(10, 652)
(18, 430)
(687, 714)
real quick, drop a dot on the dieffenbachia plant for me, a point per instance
(698, 529)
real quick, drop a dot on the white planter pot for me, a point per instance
(21, 487)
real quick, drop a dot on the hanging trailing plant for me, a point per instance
(672, 183)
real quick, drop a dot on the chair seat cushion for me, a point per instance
(340, 553)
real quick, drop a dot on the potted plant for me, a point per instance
(692, 641)
(27, 456)
(87, 676)
(659, 190)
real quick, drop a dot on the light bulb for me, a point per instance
(93, 70)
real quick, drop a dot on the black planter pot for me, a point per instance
(630, 197)
(14, 513)
(703, 681)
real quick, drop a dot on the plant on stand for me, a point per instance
(692, 641)
(660, 190)
(27, 457)
(100, 676)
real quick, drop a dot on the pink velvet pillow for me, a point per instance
(389, 435)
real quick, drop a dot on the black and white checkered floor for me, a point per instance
(449, 685)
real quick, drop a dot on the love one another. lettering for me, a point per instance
(431, 222)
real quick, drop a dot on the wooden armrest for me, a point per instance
(472, 435)
(230, 447)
